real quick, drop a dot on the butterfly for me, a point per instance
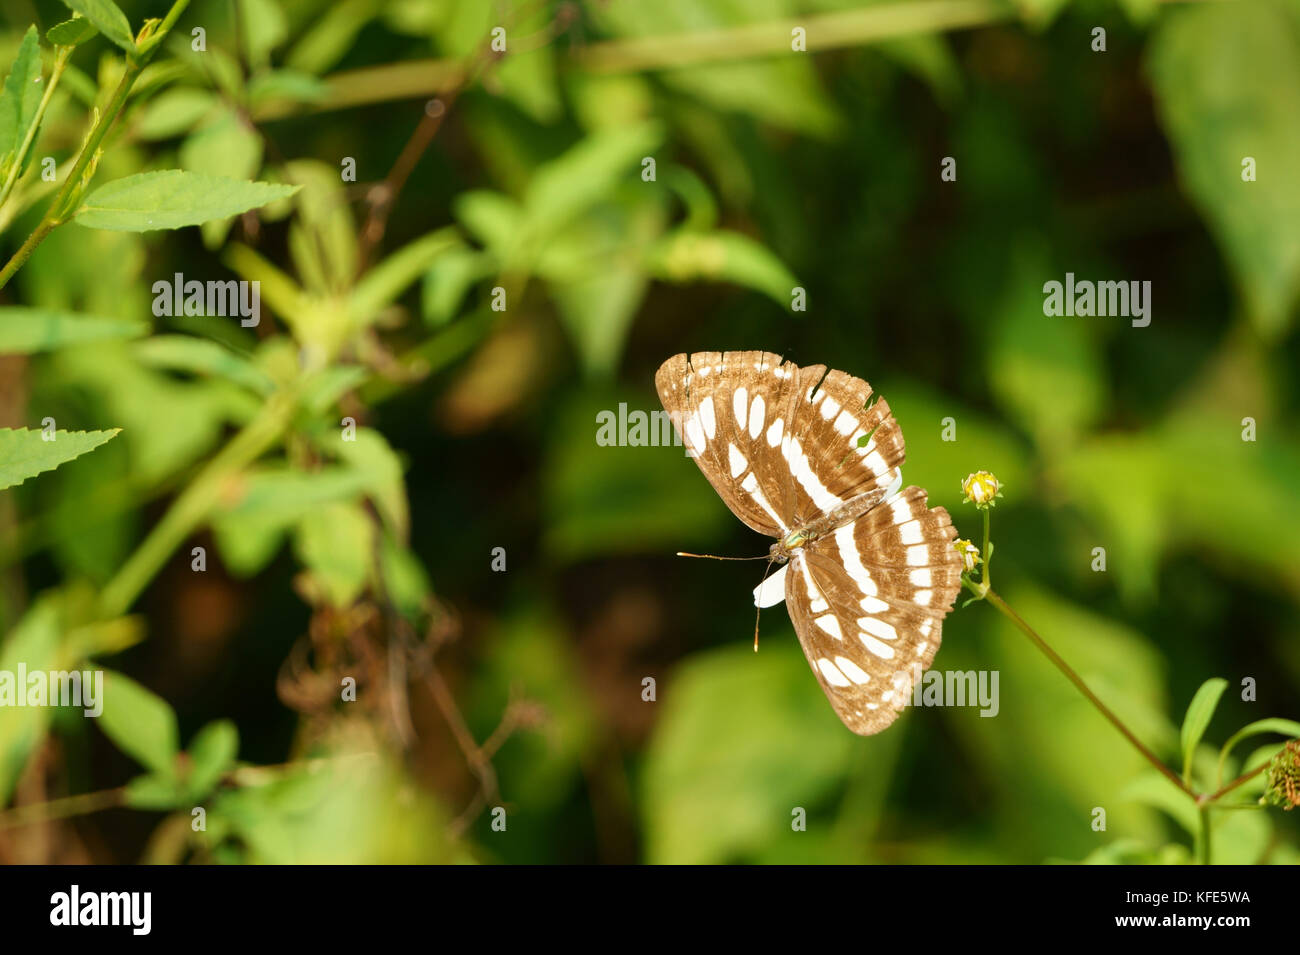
(806, 456)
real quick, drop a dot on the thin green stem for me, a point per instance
(1203, 838)
(988, 551)
(1240, 780)
(195, 503)
(78, 805)
(20, 159)
(994, 598)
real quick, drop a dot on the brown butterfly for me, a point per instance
(805, 456)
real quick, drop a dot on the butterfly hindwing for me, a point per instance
(868, 603)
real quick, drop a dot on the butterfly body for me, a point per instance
(809, 458)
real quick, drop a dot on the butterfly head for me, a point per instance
(784, 549)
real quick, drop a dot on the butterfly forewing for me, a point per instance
(732, 410)
(842, 444)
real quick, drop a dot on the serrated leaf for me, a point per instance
(1199, 713)
(105, 15)
(21, 97)
(71, 32)
(25, 331)
(25, 453)
(173, 199)
(140, 723)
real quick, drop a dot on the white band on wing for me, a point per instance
(772, 590)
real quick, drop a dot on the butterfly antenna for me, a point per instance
(682, 553)
(758, 610)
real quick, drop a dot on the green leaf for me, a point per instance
(174, 111)
(370, 454)
(155, 792)
(203, 357)
(586, 173)
(336, 543)
(1199, 713)
(449, 279)
(25, 331)
(384, 283)
(71, 32)
(20, 99)
(1258, 728)
(34, 642)
(25, 453)
(173, 199)
(742, 739)
(212, 752)
(267, 503)
(1228, 87)
(722, 256)
(105, 15)
(140, 723)
(228, 147)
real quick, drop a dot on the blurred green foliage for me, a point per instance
(526, 184)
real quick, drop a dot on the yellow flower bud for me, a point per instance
(981, 488)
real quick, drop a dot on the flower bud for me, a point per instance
(981, 488)
(970, 554)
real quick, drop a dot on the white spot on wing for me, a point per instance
(772, 590)
(707, 417)
(833, 676)
(918, 556)
(882, 650)
(774, 432)
(757, 412)
(828, 623)
(740, 405)
(852, 670)
(878, 628)
(737, 461)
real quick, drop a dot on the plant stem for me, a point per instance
(73, 185)
(1243, 778)
(1203, 841)
(60, 61)
(196, 502)
(994, 598)
(78, 805)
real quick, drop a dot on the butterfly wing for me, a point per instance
(868, 603)
(842, 445)
(733, 410)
